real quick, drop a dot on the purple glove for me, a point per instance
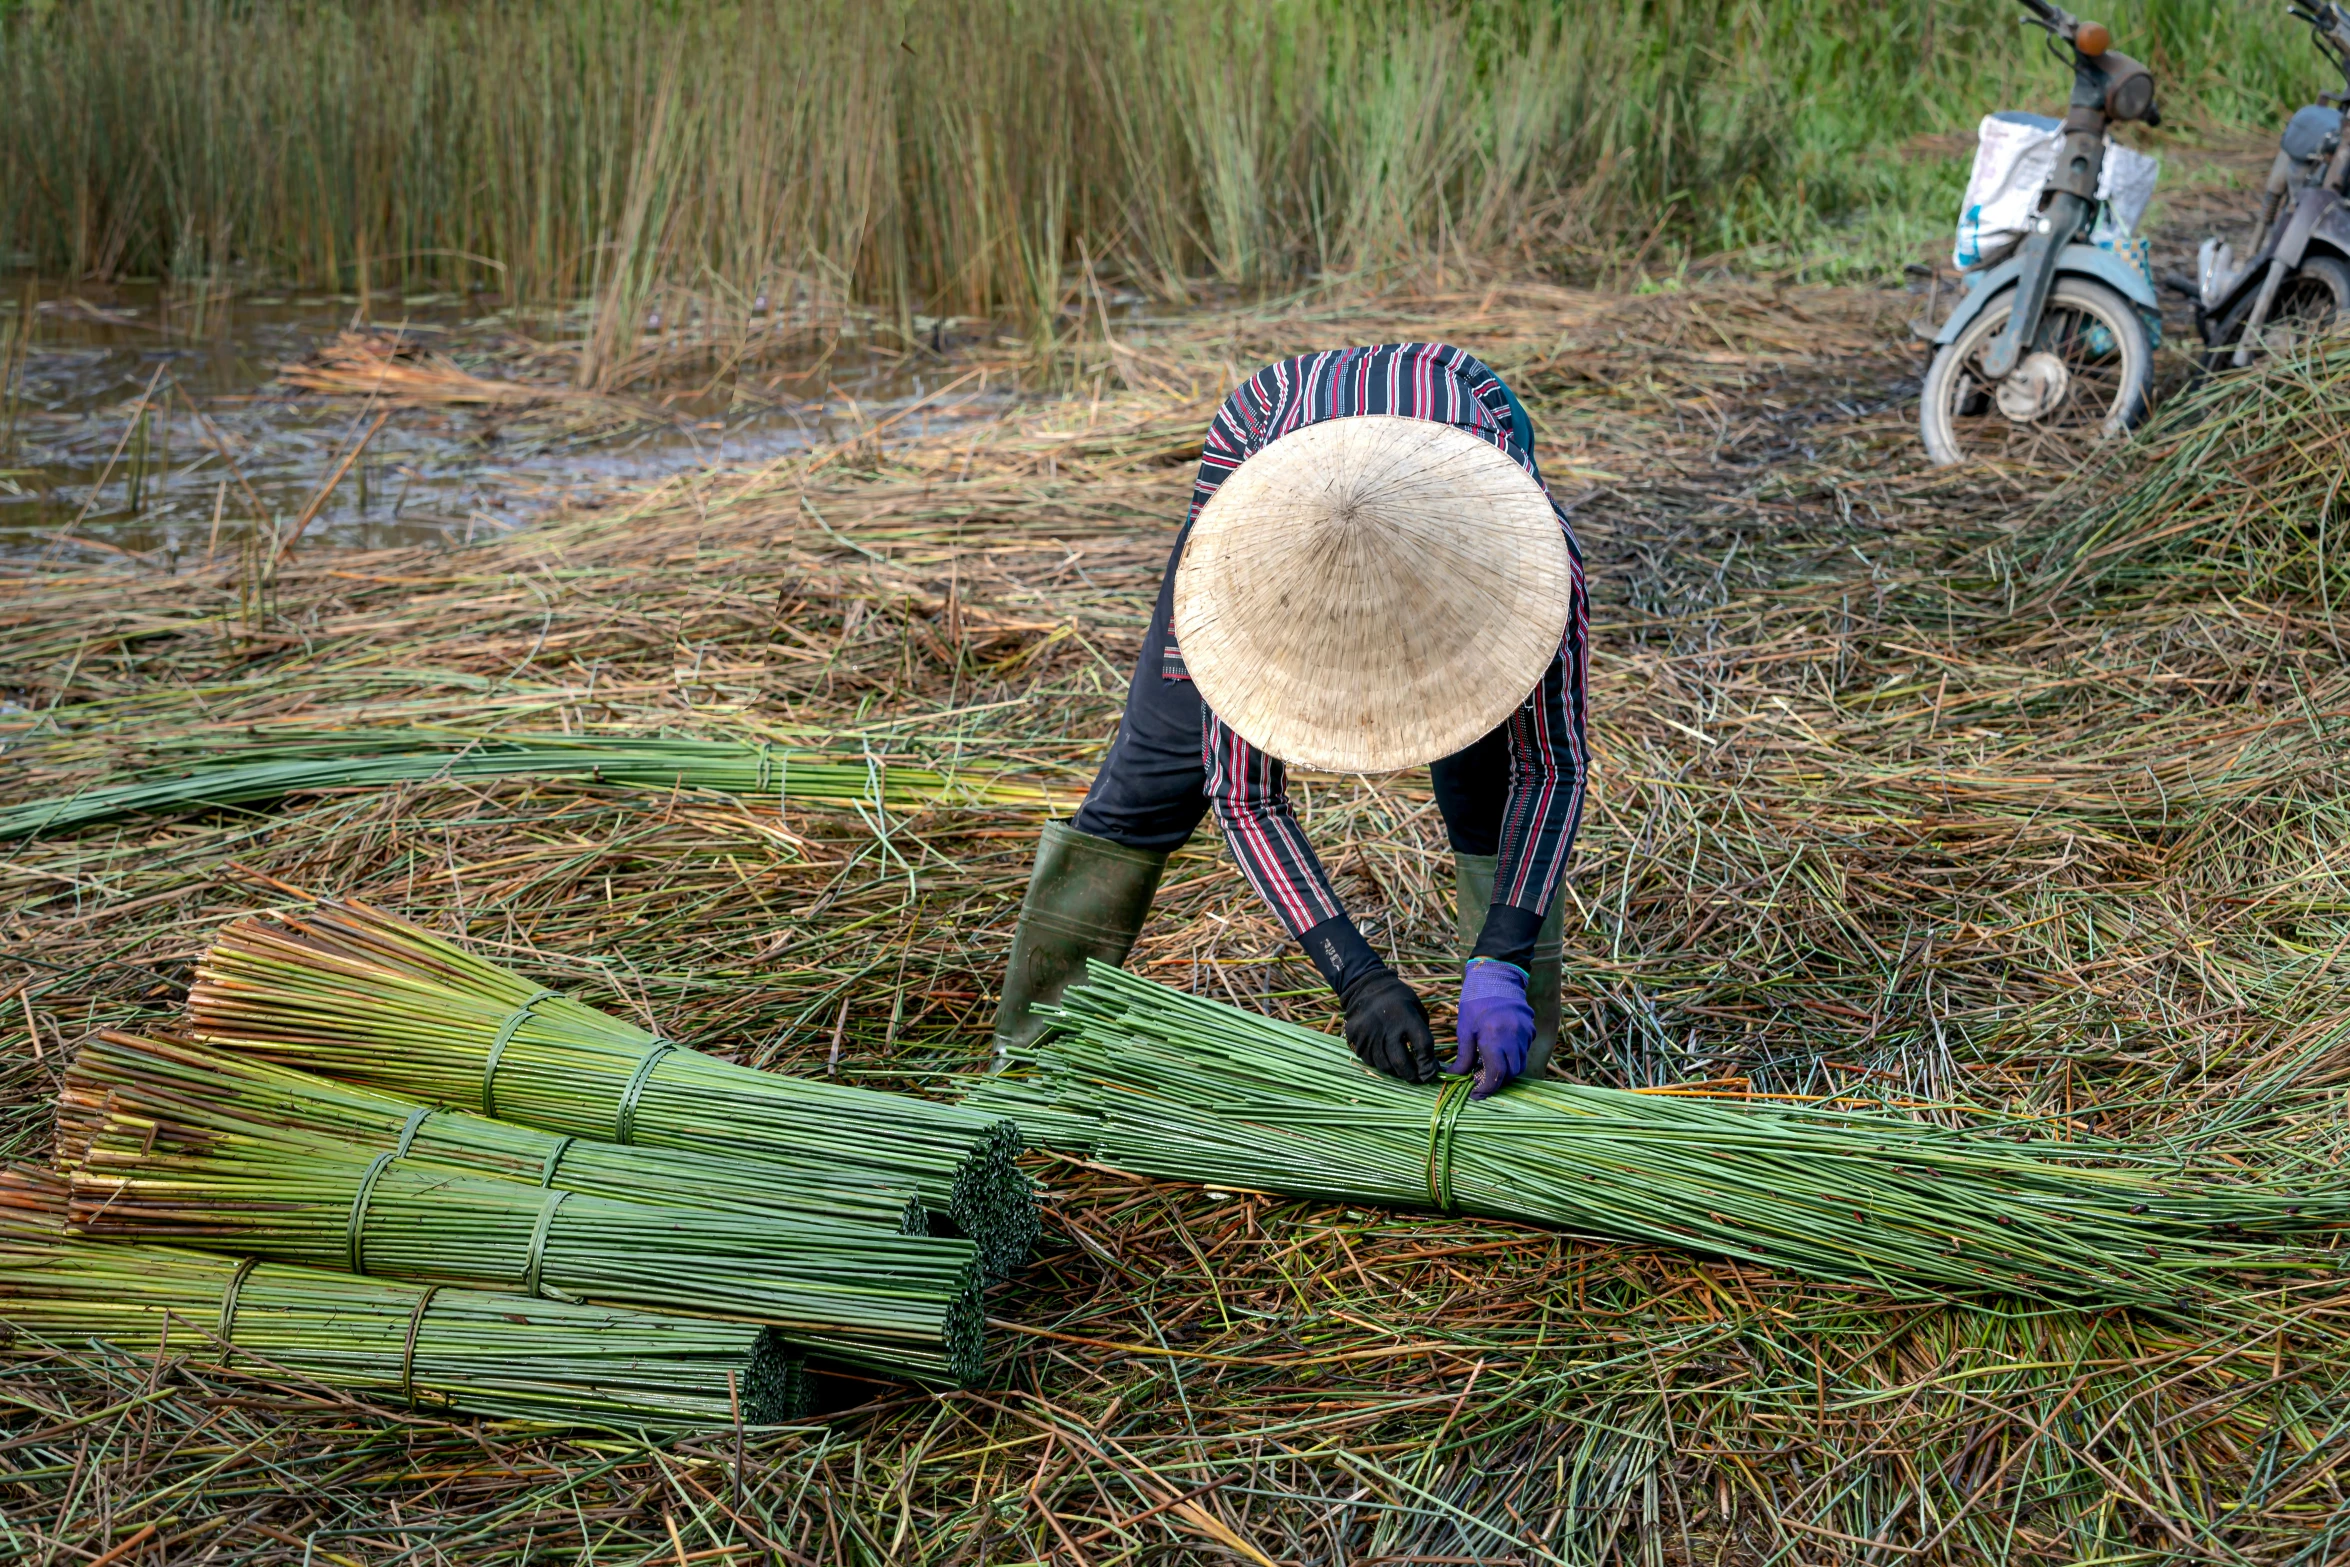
(1497, 1024)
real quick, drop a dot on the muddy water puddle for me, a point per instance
(136, 421)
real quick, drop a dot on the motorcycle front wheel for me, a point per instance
(2087, 383)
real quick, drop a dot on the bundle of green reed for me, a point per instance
(251, 772)
(901, 1305)
(207, 1095)
(1160, 1083)
(353, 993)
(431, 1347)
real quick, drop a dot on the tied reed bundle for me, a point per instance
(205, 1095)
(897, 1304)
(256, 772)
(354, 993)
(431, 1347)
(1160, 1083)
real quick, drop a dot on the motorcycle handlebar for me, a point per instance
(2060, 22)
(2128, 89)
(2328, 20)
(2329, 28)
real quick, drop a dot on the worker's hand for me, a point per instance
(1388, 1028)
(1497, 1024)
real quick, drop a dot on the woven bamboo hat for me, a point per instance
(1372, 592)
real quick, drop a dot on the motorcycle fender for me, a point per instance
(2249, 276)
(2077, 260)
(2247, 284)
(2315, 206)
(2332, 229)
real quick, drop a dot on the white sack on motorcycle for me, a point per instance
(2014, 155)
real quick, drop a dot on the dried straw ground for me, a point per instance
(1893, 791)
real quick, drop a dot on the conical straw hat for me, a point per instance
(1372, 592)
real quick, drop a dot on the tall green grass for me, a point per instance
(978, 157)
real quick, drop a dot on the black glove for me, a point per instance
(1387, 1028)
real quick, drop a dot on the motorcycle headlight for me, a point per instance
(2131, 97)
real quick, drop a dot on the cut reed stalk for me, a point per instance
(358, 994)
(204, 1096)
(1161, 1083)
(897, 1304)
(431, 1347)
(253, 773)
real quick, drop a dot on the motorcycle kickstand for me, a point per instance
(2260, 308)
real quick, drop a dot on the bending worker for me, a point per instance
(1372, 576)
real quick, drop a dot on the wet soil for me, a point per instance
(140, 420)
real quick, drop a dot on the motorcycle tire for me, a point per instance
(2107, 358)
(2313, 299)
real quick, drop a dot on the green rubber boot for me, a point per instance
(1473, 892)
(1086, 899)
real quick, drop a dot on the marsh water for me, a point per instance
(136, 420)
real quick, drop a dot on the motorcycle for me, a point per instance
(2051, 349)
(2298, 281)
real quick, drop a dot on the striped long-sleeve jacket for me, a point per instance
(1548, 753)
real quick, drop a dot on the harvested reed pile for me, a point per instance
(361, 995)
(2238, 481)
(1160, 1083)
(891, 1303)
(202, 1096)
(387, 368)
(429, 1348)
(1867, 823)
(391, 369)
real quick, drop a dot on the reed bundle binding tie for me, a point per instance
(498, 1043)
(554, 1158)
(433, 1345)
(1160, 1083)
(228, 1308)
(356, 1242)
(624, 1118)
(1442, 1124)
(534, 1258)
(409, 1128)
(408, 1344)
(781, 771)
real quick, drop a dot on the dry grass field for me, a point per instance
(1909, 783)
